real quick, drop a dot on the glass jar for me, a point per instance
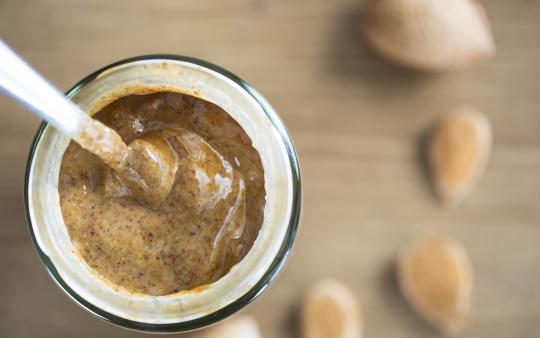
(190, 309)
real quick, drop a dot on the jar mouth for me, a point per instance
(290, 225)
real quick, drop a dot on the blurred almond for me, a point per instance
(458, 152)
(237, 327)
(428, 34)
(435, 276)
(330, 311)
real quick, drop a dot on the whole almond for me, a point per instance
(243, 326)
(330, 311)
(458, 152)
(435, 276)
(428, 34)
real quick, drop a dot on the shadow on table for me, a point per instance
(409, 319)
(351, 60)
(292, 324)
(423, 159)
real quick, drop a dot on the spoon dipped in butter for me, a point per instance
(146, 166)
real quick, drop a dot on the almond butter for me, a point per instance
(428, 34)
(330, 311)
(237, 327)
(435, 276)
(458, 152)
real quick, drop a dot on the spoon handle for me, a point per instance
(24, 84)
(20, 81)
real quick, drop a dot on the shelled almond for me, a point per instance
(429, 35)
(458, 152)
(435, 276)
(330, 310)
(237, 327)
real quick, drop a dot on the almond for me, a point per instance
(237, 327)
(458, 152)
(330, 311)
(435, 276)
(430, 35)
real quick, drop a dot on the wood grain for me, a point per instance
(357, 123)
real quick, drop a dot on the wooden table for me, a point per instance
(356, 121)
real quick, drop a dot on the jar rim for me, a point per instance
(259, 286)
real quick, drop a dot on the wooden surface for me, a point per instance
(356, 122)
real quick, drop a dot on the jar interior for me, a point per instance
(149, 76)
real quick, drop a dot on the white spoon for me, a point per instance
(141, 166)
